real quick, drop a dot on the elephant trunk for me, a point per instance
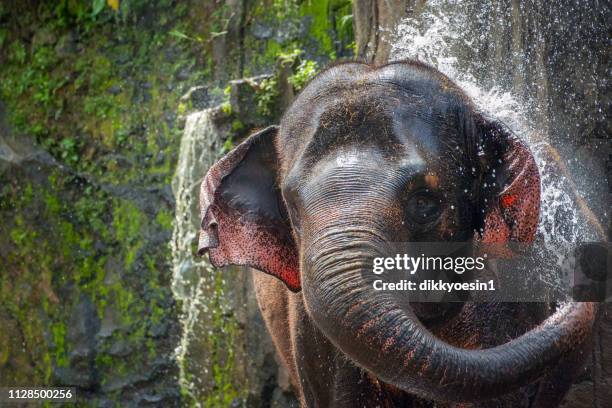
(372, 329)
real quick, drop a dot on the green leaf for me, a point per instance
(179, 34)
(97, 7)
(216, 34)
(344, 20)
(228, 145)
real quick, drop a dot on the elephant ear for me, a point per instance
(244, 220)
(510, 188)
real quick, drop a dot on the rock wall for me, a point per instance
(90, 132)
(89, 140)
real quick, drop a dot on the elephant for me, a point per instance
(372, 154)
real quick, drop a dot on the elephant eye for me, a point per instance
(423, 208)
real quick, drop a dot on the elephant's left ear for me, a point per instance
(244, 220)
(510, 188)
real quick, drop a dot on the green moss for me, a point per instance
(127, 222)
(4, 349)
(226, 107)
(58, 330)
(183, 108)
(66, 258)
(329, 24)
(89, 103)
(104, 360)
(225, 331)
(164, 218)
(228, 145)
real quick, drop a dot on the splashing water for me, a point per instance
(443, 35)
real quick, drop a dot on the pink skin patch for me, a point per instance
(516, 218)
(508, 200)
(249, 243)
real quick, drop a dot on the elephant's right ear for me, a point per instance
(510, 193)
(244, 220)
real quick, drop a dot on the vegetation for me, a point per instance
(85, 294)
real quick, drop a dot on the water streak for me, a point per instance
(448, 35)
(192, 276)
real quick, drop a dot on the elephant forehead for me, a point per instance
(390, 150)
(406, 124)
(393, 126)
(362, 170)
(411, 159)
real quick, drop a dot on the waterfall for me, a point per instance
(196, 154)
(450, 35)
(195, 285)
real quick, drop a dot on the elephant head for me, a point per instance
(368, 155)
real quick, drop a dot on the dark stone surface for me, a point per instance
(92, 334)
